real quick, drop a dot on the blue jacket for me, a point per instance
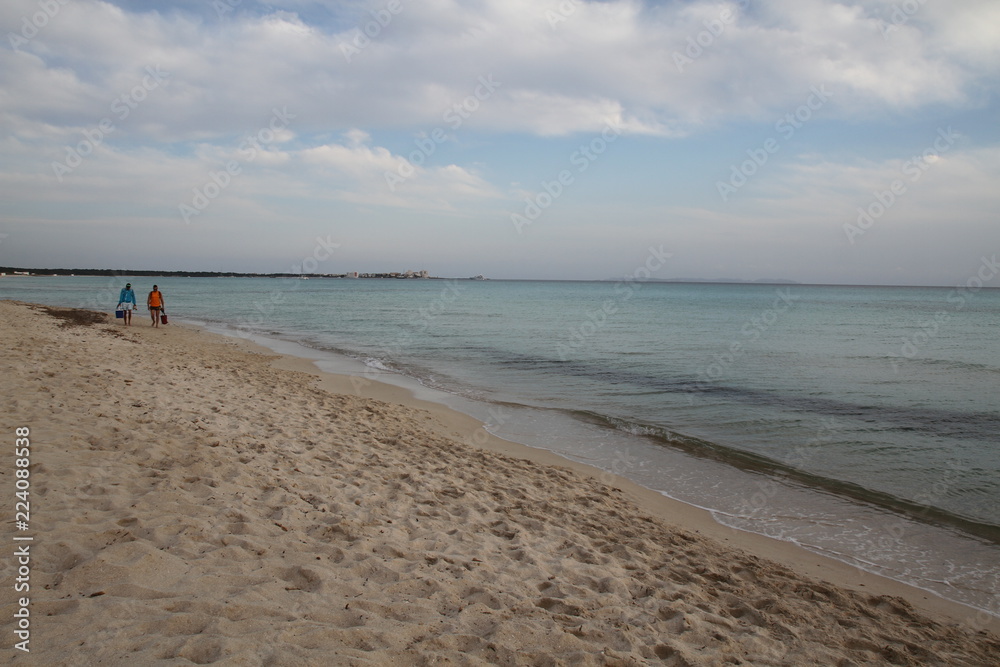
(126, 296)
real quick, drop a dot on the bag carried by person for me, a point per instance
(163, 317)
(120, 314)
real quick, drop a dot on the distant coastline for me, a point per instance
(395, 275)
(10, 271)
(6, 271)
(409, 275)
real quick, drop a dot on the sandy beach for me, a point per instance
(197, 500)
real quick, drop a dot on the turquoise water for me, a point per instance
(860, 422)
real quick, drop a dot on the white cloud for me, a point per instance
(560, 68)
(614, 59)
(367, 175)
(355, 158)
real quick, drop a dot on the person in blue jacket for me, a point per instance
(127, 302)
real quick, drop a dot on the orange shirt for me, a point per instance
(154, 299)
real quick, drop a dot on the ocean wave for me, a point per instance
(377, 364)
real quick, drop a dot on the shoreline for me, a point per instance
(202, 500)
(472, 432)
(402, 389)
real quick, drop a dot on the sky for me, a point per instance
(852, 142)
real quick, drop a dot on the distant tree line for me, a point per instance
(150, 274)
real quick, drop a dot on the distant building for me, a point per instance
(398, 275)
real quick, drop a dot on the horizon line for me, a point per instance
(55, 272)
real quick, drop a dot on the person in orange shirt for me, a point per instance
(155, 304)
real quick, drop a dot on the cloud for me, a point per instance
(355, 158)
(418, 114)
(368, 175)
(930, 213)
(599, 61)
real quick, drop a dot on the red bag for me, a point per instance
(163, 318)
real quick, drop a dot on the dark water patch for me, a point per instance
(931, 421)
(757, 463)
(951, 364)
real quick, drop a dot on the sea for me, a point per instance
(861, 423)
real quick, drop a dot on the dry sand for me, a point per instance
(195, 502)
